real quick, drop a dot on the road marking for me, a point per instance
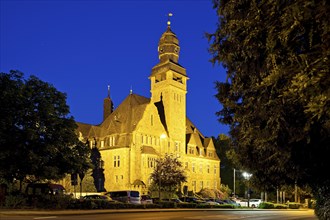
(46, 217)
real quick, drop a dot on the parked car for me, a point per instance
(192, 199)
(100, 197)
(210, 202)
(176, 200)
(231, 202)
(145, 199)
(254, 203)
(36, 189)
(128, 196)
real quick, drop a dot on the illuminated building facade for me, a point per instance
(132, 136)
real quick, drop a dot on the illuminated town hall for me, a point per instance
(140, 130)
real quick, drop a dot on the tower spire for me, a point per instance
(169, 19)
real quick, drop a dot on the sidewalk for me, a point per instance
(69, 212)
(20, 212)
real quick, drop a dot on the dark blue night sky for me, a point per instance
(82, 46)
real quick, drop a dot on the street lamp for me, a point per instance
(247, 176)
(234, 182)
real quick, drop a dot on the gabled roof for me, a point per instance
(208, 142)
(148, 150)
(191, 128)
(126, 116)
(88, 129)
(122, 120)
(194, 139)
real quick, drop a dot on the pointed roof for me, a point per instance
(168, 46)
(126, 116)
(88, 130)
(122, 120)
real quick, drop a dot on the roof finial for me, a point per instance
(131, 91)
(109, 91)
(168, 19)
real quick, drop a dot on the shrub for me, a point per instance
(50, 202)
(15, 201)
(294, 205)
(322, 207)
(186, 205)
(204, 206)
(167, 204)
(227, 206)
(280, 206)
(266, 205)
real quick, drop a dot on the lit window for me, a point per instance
(177, 145)
(194, 185)
(116, 161)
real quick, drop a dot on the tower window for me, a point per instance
(116, 161)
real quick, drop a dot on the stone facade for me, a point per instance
(132, 136)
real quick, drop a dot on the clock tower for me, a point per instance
(169, 87)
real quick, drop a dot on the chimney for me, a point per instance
(107, 105)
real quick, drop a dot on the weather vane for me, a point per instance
(168, 18)
(109, 91)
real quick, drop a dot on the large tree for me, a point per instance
(277, 94)
(37, 137)
(168, 174)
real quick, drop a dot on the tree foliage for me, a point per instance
(37, 137)
(222, 146)
(98, 171)
(168, 173)
(277, 94)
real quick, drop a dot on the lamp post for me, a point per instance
(159, 184)
(247, 176)
(234, 182)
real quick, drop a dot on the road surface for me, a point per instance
(176, 215)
